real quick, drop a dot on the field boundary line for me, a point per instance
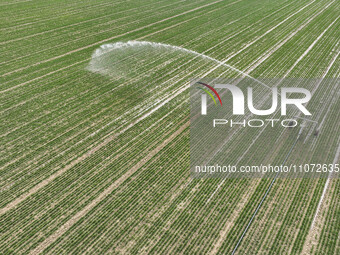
(336, 159)
(230, 221)
(15, 2)
(314, 231)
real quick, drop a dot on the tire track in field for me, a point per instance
(14, 71)
(263, 198)
(208, 49)
(316, 88)
(257, 137)
(271, 51)
(309, 48)
(307, 51)
(331, 99)
(235, 202)
(142, 37)
(155, 212)
(47, 242)
(312, 234)
(231, 36)
(274, 203)
(138, 107)
(230, 221)
(223, 40)
(136, 175)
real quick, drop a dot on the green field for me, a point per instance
(95, 149)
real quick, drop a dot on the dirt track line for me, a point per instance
(263, 198)
(330, 101)
(116, 119)
(79, 62)
(263, 59)
(246, 15)
(98, 32)
(315, 229)
(51, 178)
(180, 207)
(88, 46)
(142, 37)
(17, 2)
(336, 159)
(229, 223)
(316, 88)
(104, 194)
(313, 236)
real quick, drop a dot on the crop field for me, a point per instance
(95, 127)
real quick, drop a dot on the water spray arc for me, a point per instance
(106, 48)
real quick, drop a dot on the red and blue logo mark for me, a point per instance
(209, 93)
